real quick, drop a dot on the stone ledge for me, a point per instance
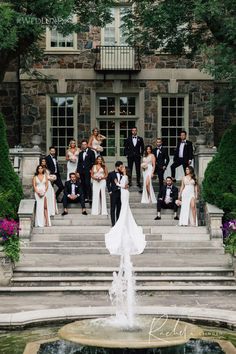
(214, 220)
(26, 213)
(208, 316)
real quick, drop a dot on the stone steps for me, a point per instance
(151, 290)
(106, 222)
(106, 280)
(101, 250)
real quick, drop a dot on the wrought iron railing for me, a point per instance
(117, 58)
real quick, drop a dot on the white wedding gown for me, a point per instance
(146, 199)
(125, 236)
(186, 216)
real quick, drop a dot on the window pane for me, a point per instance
(62, 110)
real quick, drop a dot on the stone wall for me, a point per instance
(9, 107)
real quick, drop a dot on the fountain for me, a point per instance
(124, 330)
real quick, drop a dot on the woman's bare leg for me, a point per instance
(46, 212)
(148, 186)
(194, 210)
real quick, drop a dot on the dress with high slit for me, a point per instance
(186, 216)
(147, 173)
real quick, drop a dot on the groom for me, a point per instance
(114, 191)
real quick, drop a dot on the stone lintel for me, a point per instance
(145, 74)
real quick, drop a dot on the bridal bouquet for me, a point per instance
(99, 148)
(144, 165)
(52, 178)
(41, 192)
(73, 159)
(178, 202)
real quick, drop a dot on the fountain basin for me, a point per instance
(148, 332)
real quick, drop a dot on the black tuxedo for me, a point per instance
(114, 191)
(84, 167)
(184, 161)
(134, 154)
(162, 161)
(78, 192)
(161, 198)
(52, 169)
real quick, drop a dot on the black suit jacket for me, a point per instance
(188, 151)
(131, 150)
(111, 186)
(163, 158)
(78, 189)
(173, 193)
(51, 166)
(86, 164)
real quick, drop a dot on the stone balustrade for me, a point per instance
(214, 220)
(26, 213)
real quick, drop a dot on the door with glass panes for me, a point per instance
(116, 117)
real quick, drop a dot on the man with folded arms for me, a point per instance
(73, 193)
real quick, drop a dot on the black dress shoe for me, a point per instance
(64, 213)
(176, 218)
(139, 185)
(157, 218)
(86, 200)
(84, 212)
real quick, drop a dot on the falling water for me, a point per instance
(122, 292)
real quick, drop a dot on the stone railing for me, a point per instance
(202, 156)
(25, 161)
(214, 220)
(6, 269)
(26, 213)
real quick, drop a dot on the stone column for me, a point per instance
(26, 213)
(214, 221)
(6, 269)
(25, 161)
(202, 156)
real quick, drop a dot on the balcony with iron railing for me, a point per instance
(117, 59)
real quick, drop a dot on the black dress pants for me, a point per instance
(137, 161)
(85, 179)
(162, 205)
(67, 200)
(176, 164)
(59, 185)
(115, 205)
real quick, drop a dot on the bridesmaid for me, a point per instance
(95, 141)
(99, 175)
(148, 165)
(72, 158)
(40, 184)
(50, 194)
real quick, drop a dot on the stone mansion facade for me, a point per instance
(93, 79)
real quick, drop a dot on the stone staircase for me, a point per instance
(70, 258)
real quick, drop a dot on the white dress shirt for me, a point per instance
(84, 154)
(181, 149)
(168, 198)
(135, 138)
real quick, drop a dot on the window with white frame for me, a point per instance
(57, 41)
(113, 34)
(62, 122)
(172, 118)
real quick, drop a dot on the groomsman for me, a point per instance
(114, 191)
(134, 149)
(162, 160)
(86, 161)
(166, 198)
(53, 167)
(73, 193)
(183, 154)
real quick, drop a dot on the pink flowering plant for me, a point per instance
(229, 236)
(9, 234)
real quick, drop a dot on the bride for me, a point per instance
(125, 235)
(189, 194)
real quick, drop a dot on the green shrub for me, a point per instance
(219, 184)
(10, 187)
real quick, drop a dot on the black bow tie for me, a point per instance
(134, 137)
(168, 187)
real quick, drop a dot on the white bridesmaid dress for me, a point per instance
(72, 162)
(125, 237)
(99, 203)
(146, 199)
(186, 216)
(51, 197)
(41, 188)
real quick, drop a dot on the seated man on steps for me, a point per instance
(73, 193)
(167, 197)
